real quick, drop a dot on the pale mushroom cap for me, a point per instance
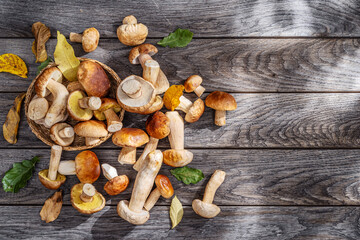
(145, 48)
(206, 210)
(94, 206)
(192, 83)
(54, 134)
(163, 184)
(90, 39)
(87, 167)
(130, 137)
(132, 33)
(91, 128)
(156, 106)
(116, 185)
(74, 110)
(131, 19)
(136, 218)
(220, 101)
(177, 157)
(196, 111)
(41, 83)
(158, 125)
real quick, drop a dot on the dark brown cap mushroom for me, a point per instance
(87, 167)
(193, 84)
(89, 39)
(163, 188)
(221, 102)
(132, 33)
(62, 134)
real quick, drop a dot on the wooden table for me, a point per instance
(291, 149)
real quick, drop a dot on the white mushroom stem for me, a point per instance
(150, 146)
(185, 104)
(92, 103)
(127, 155)
(152, 199)
(38, 108)
(88, 192)
(176, 136)
(151, 71)
(220, 117)
(91, 141)
(75, 37)
(67, 167)
(132, 88)
(109, 171)
(199, 91)
(214, 183)
(113, 121)
(54, 161)
(66, 132)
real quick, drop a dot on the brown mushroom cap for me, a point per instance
(163, 184)
(158, 125)
(74, 110)
(220, 101)
(90, 39)
(116, 185)
(91, 128)
(97, 203)
(41, 83)
(62, 141)
(87, 167)
(51, 184)
(177, 157)
(195, 111)
(93, 78)
(130, 137)
(156, 106)
(192, 83)
(145, 48)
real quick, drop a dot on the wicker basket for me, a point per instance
(43, 133)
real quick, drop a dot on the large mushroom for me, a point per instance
(89, 39)
(158, 127)
(206, 208)
(132, 33)
(80, 107)
(221, 102)
(108, 107)
(193, 84)
(92, 130)
(163, 188)
(134, 211)
(62, 134)
(129, 139)
(86, 199)
(116, 184)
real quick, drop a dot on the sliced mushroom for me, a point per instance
(132, 33)
(89, 39)
(62, 134)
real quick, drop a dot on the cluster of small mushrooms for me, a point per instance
(86, 103)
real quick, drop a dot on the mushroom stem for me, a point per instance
(132, 88)
(113, 121)
(152, 199)
(109, 171)
(176, 136)
(67, 167)
(220, 117)
(66, 132)
(214, 183)
(151, 71)
(54, 161)
(127, 155)
(199, 91)
(143, 58)
(185, 104)
(92, 103)
(75, 37)
(88, 192)
(150, 146)
(91, 141)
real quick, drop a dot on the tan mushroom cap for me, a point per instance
(156, 106)
(158, 125)
(195, 111)
(221, 101)
(51, 184)
(55, 136)
(116, 185)
(91, 128)
(87, 167)
(206, 210)
(97, 203)
(74, 110)
(136, 218)
(177, 157)
(145, 48)
(163, 184)
(132, 33)
(41, 83)
(130, 137)
(192, 83)
(90, 39)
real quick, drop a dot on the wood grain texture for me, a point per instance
(213, 18)
(232, 65)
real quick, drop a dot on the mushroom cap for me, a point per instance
(41, 83)
(38, 108)
(130, 137)
(206, 210)
(93, 78)
(54, 135)
(158, 125)
(156, 106)
(172, 96)
(74, 110)
(192, 83)
(51, 184)
(90, 39)
(91, 128)
(195, 111)
(116, 185)
(163, 184)
(220, 101)
(132, 33)
(177, 157)
(136, 218)
(87, 167)
(97, 203)
(136, 105)
(145, 48)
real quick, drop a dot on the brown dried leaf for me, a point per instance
(42, 34)
(11, 125)
(52, 207)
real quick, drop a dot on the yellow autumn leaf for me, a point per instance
(65, 58)
(13, 64)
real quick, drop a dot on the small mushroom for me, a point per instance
(129, 139)
(50, 177)
(92, 130)
(86, 199)
(134, 94)
(116, 184)
(205, 208)
(158, 127)
(174, 99)
(38, 108)
(108, 106)
(134, 211)
(193, 84)
(156, 106)
(163, 188)
(195, 111)
(132, 33)
(89, 39)
(62, 134)
(73, 86)
(221, 102)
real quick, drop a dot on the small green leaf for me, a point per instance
(178, 38)
(176, 212)
(187, 175)
(17, 177)
(44, 64)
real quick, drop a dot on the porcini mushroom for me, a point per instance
(62, 134)
(156, 106)
(93, 78)
(129, 139)
(67, 167)
(177, 157)
(108, 107)
(158, 127)
(163, 188)
(49, 80)
(143, 53)
(86, 199)
(73, 86)
(89, 39)
(38, 108)
(206, 208)
(77, 110)
(134, 94)
(133, 211)
(174, 99)
(195, 111)
(221, 102)
(92, 130)
(193, 84)
(132, 33)
(50, 177)
(116, 184)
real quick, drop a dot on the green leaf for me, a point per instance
(17, 177)
(187, 175)
(178, 38)
(176, 212)
(44, 64)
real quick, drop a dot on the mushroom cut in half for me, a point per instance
(221, 102)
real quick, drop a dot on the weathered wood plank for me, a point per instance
(233, 65)
(232, 223)
(254, 177)
(205, 18)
